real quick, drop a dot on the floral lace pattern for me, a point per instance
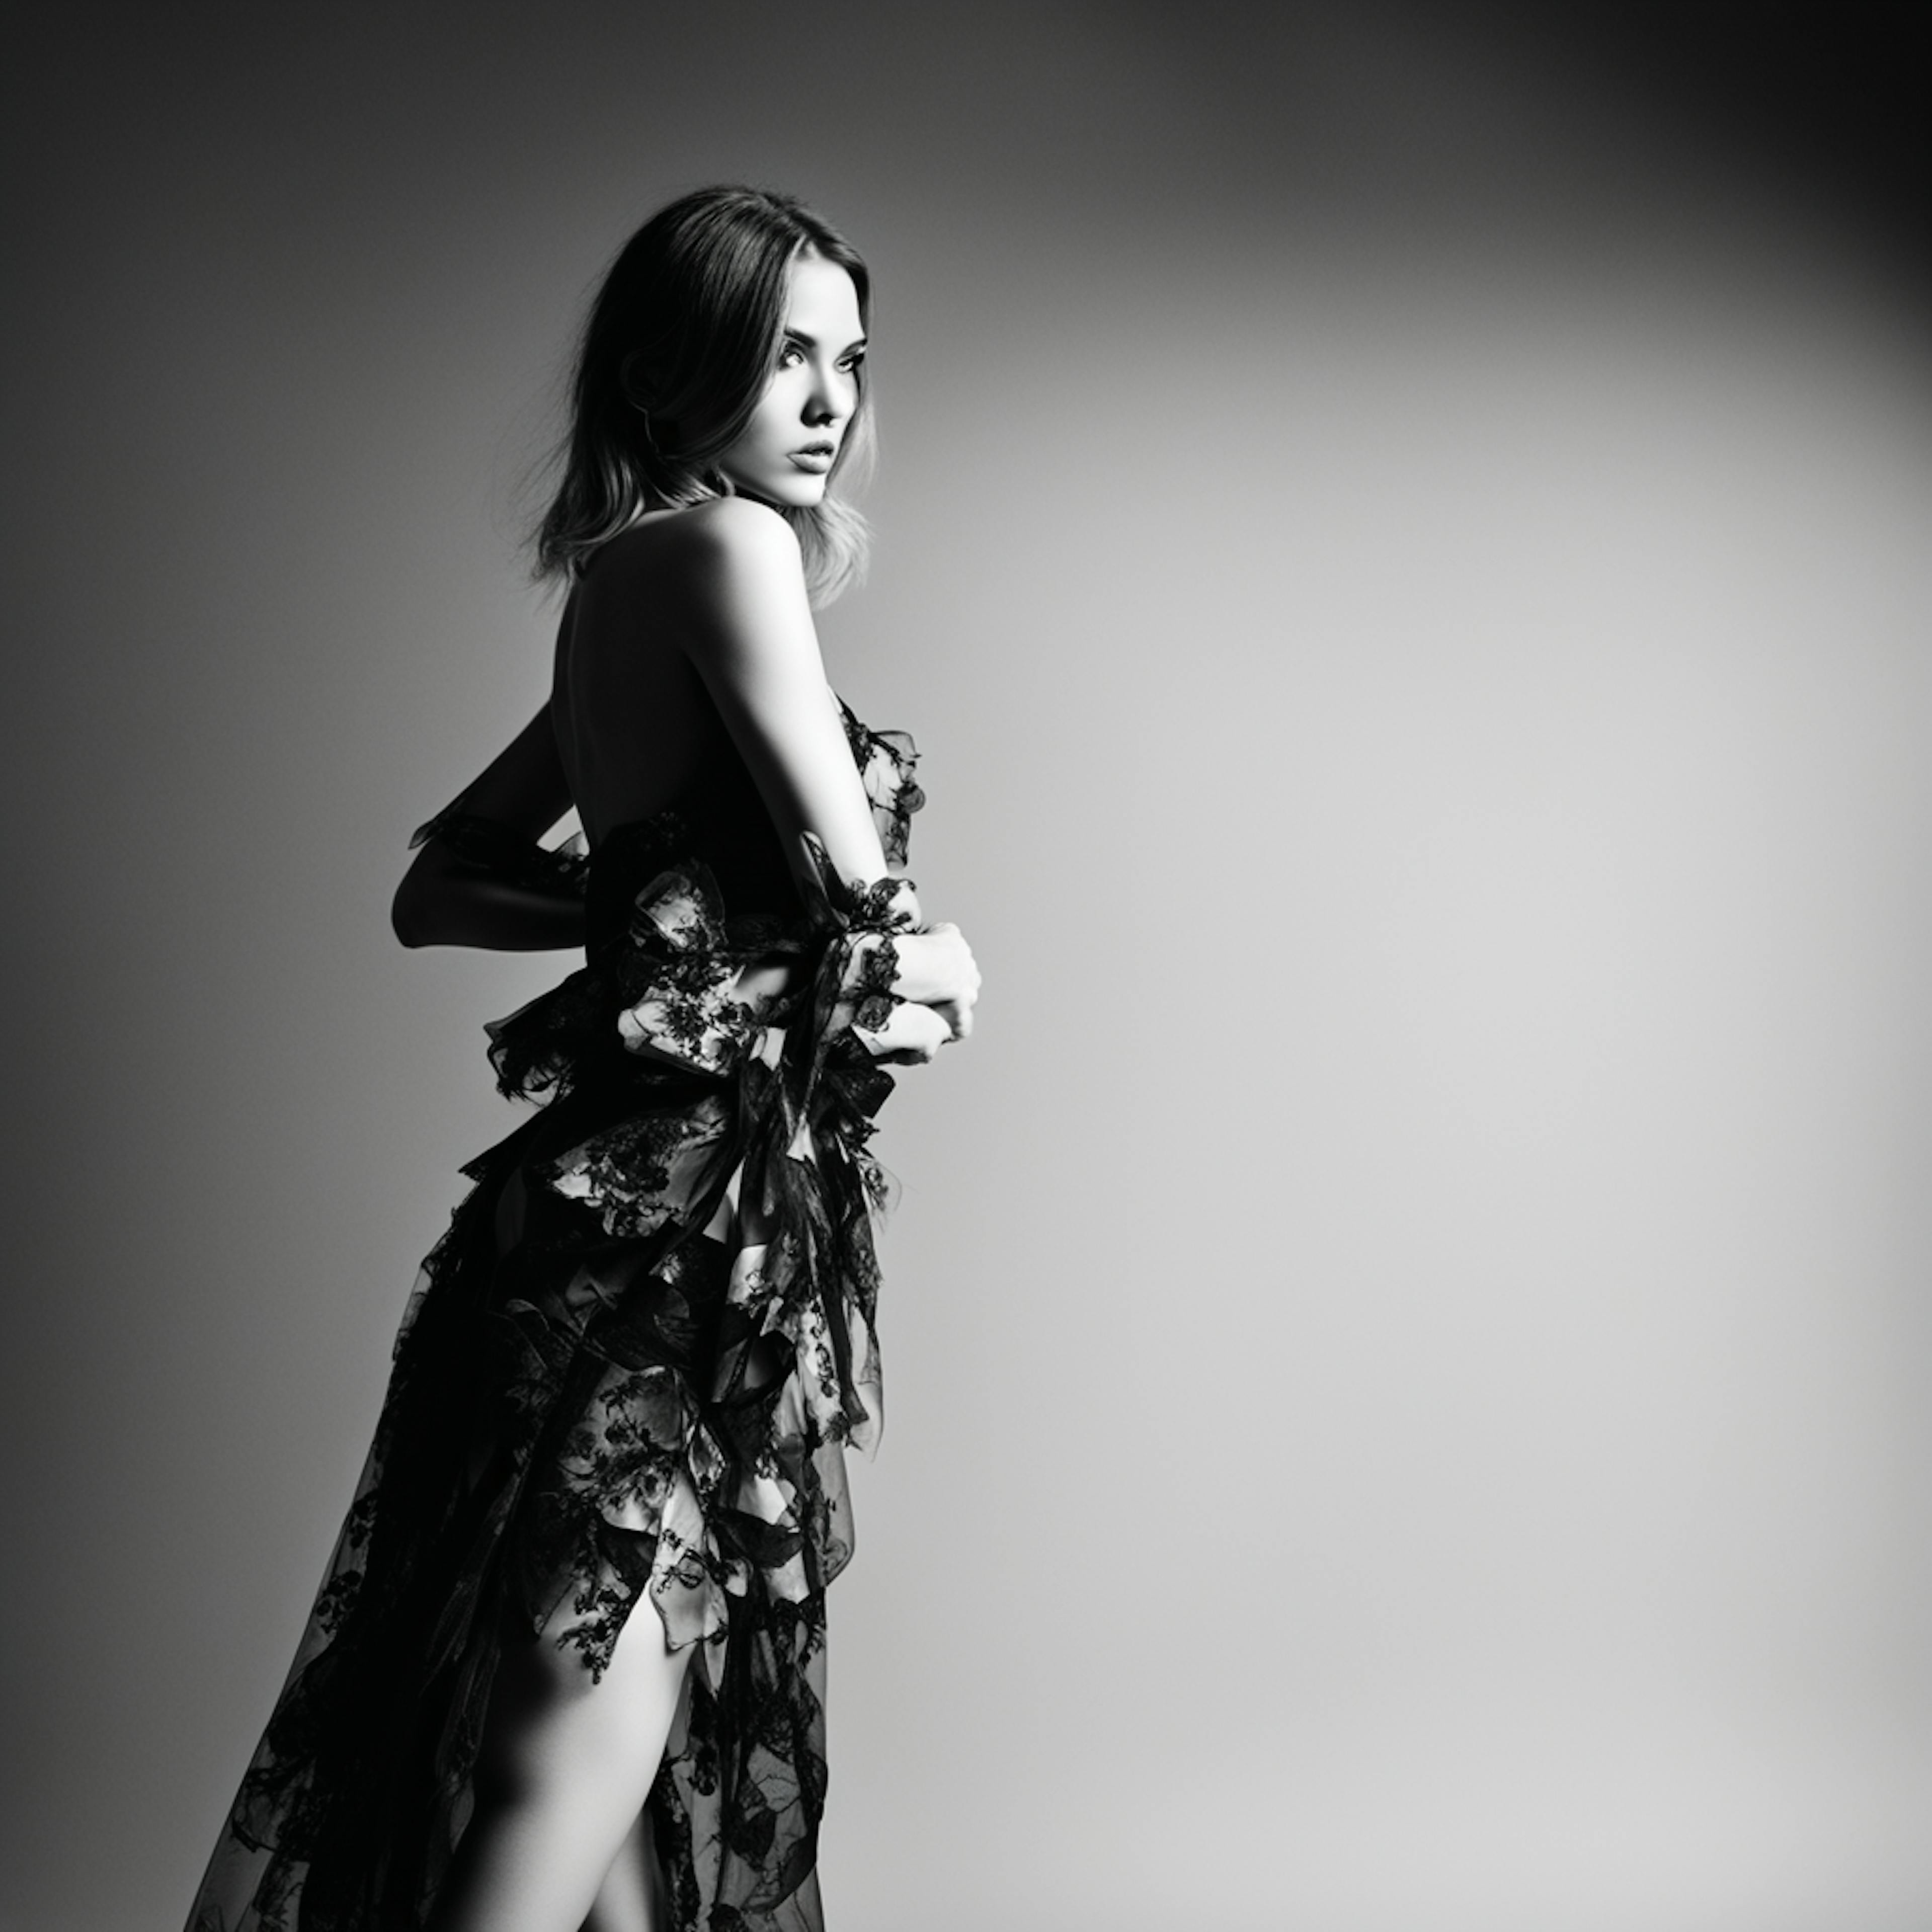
(691, 1012)
(885, 759)
(630, 1372)
(875, 971)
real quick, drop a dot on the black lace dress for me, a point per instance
(630, 1370)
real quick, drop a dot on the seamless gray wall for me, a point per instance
(1401, 538)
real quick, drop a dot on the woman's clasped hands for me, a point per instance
(933, 982)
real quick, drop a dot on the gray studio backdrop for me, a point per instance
(1405, 554)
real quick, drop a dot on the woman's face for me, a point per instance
(787, 448)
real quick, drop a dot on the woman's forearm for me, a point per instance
(443, 902)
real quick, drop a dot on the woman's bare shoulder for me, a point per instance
(710, 547)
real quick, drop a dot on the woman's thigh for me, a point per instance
(551, 1722)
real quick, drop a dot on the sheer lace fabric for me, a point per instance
(629, 1372)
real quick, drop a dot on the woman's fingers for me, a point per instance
(924, 1030)
(936, 967)
(912, 1032)
(957, 1015)
(936, 984)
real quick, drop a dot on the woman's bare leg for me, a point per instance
(629, 1900)
(565, 1769)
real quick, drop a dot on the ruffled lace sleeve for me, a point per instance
(885, 759)
(765, 1011)
(709, 997)
(699, 1004)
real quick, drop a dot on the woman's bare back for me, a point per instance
(634, 724)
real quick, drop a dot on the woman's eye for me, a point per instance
(791, 356)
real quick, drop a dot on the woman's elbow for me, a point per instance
(410, 917)
(401, 922)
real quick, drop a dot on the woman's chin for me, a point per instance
(800, 491)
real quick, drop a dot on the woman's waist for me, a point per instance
(743, 862)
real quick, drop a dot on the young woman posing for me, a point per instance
(565, 1670)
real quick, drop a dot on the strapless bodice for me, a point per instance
(720, 821)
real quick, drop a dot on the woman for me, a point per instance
(565, 1668)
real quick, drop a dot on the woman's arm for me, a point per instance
(741, 613)
(445, 899)
(751, 638)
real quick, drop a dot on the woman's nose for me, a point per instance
(834, 395)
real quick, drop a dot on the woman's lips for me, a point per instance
(817, 459)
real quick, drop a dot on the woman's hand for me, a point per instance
(912, 1035)
(936, 968)
(934, 985)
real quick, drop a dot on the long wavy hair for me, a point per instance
(678, 344)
